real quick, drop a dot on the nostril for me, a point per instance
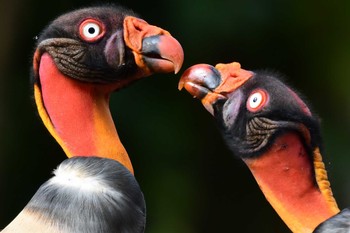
(137, 28)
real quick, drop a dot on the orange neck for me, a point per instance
(77, 114)
(286, 176)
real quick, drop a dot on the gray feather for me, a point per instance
(90, 194)
(339, 223)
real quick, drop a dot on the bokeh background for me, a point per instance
(190, 180)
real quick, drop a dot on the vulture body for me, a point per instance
(86, 194)
(79, 60)
(270, 127)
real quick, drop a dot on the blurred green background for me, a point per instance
(190, 180)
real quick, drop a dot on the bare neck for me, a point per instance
(286, 176)
(77, 115)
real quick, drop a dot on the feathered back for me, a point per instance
(91, 194)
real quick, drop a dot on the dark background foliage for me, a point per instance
(190, 180)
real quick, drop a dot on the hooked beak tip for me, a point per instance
(177, 67)
(180, 86)
(162, 53)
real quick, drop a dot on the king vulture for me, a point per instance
(79, 60)
(269, 126)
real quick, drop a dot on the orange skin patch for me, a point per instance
(285, 175)
(232, 77)
(77, 115)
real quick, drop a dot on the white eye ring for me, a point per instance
(91, 30)
(257, 100)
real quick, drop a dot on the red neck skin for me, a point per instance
(286, 177)
(77, 114)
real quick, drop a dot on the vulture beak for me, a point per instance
(155, 50)
(211, 84)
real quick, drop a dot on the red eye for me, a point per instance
(257, 100)
(91, 30)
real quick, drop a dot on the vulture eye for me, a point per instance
(91, 30)
(257, 100)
